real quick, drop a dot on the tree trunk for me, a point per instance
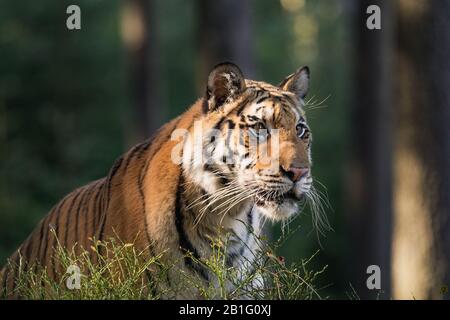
(371, 174)
(139, 26)
(225, 34)
(421, 240)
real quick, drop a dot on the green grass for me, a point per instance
(123, 272)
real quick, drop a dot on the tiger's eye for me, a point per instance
(302, 131)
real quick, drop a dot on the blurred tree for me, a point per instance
(225, 34)
(421, 246)
(370, 184)
(139, 31)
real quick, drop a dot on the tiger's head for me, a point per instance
(255, 143)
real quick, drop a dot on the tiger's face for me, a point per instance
(257, 142)
(278, 168)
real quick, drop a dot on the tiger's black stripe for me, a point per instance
(26, 250)
(229, 152)
(114, 170)
(85, 212)
(100, 205)
(54, 237)
(131, 155)
(68, 213)
(219, 123)
(231, 124)
(289, 99)
(58, 215)
(185, 244)
(142, 175)
(44, 236)
(117, 165)
(87, 208)
(243, 105)
(96, 208)
(137, 152)
(42, 252)
(205, 106)
(223, 180)
(28, 254)
(231, 257)
(262, 99)
(41, 237)
(249, 231)
(77, 216)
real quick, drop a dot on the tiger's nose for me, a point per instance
(296, 174)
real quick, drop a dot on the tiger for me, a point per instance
(158, 196)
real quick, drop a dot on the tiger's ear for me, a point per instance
(225, 83)
(297, 83)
